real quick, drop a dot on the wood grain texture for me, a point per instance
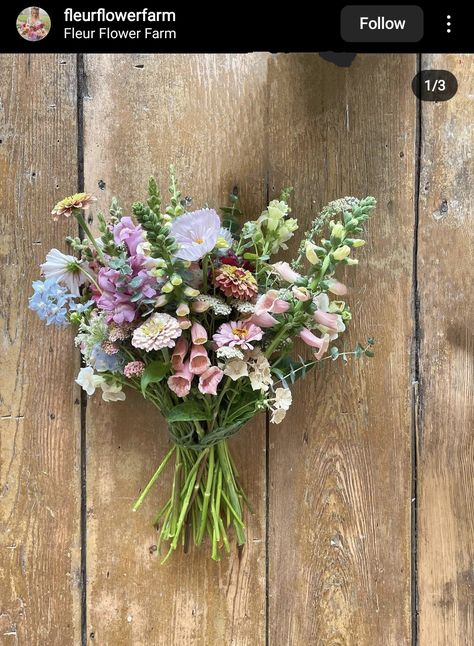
(39, 413)
(340, 466)
(206, 115)
(446, 449)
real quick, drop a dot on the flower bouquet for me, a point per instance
(35, 31)
(188, 309)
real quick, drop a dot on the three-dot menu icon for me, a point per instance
(448, 24)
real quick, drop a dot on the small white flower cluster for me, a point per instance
(217, 305)
(89, 381)
(253, 365)
(243, 307)
(280, 404)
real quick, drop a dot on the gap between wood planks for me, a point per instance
(415, 368)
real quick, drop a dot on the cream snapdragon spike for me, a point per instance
(195, 312)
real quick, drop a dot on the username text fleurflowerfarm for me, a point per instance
(147, 23)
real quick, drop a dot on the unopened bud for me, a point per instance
(190, 292)
(310, 253)
(176, 280)
(182, 309)
(341, 252)
(167, 288)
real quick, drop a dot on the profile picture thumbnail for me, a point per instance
(33, 23)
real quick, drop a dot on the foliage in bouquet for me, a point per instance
(192, 311)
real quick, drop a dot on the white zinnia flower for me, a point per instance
(159, 331)
(283, 398)
(64, 269)
(112, 392)
(235, 369)
(278, 416)
(89, 381)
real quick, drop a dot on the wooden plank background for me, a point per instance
(342, 549)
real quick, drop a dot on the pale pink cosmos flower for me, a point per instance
(179, 354)
(199, 361)
(337, 288)
(285, 272)
(180, 382)
(198, 334)
(209, 380)
(270, 302)
(196, 233)
(238, 333)
(315, 342)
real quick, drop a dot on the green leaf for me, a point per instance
(190, 411)
(153, 373)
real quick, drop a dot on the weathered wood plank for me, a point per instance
(39, 412)
(340, 466)
(446, 448)
(206, 115)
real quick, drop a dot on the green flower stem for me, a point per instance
(82, 223)
(89, 277)
(205, 270)
(207, 494)
(155, 476)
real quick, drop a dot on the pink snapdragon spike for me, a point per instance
(327, 319)
(315, 342)
(285, 272)
(263, 320)
(209, 380)
(238, 333)
(179, 354)
(125, 231)
(180, 382)
(198, 360)
(198, 334)
(270, 302)
(337, 288)
(196, 233)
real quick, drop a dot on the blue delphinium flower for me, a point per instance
(50, 301)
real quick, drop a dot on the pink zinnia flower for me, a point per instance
(198, 334)
(238, 333)
(285, 272)
(180, 382)
(196, 233)
(199, 361)
(315, 342)
(69, 204)
(270, 302)
(209, 380)
(179, 354)
(236, 282)
(126, 232)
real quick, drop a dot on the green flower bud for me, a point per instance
(310, 253)
(338, 232)
(341, 252)
(176, 280)
(167, 288)
(190, 292)
(358, 242)
(352, 261)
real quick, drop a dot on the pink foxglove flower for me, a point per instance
(270, 302)
(301, 293)
(196, 233)
(337, 288)
(285, 272)
(238, 333)
(327, 319)
(209, 380)
(198, 360)
(198, 334)
(180, 382)
(159, 331)
(263, 320)
(315, 342)
(179, 354)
